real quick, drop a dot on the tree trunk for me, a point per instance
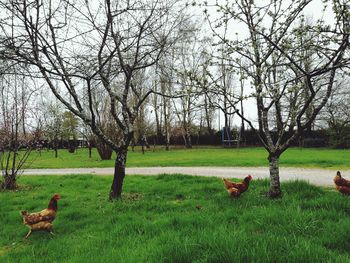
(143, 147)
(275, 188)
(158, 124)
(167, 139)
(242, 130)
(103, 150)
(9, 182)
(186, 136)
(133, 144)
(90, 150)
(144, 143)
(208, 116)
(119, 174)
(166, 125)
(188, 140)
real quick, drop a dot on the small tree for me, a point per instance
(190, 55)
(16, 142)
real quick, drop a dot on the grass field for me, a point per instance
(175, 218)
(209, 156)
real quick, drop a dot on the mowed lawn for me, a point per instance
(202, 156)
(175, 218)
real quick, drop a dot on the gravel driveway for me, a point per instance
(319, 177)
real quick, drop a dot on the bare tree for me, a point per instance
(165, 74)
(16, 141)
(190, 56)
(79, 46)
(289, 89)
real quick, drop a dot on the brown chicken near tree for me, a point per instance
(341, 184)
(41, 220)
(236, 189)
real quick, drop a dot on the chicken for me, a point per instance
(233, 192)
(341, 184)
(340, 181)
(343, 189)
(236, 189)
(41, 220)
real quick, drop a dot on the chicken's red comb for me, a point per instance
(250, 177)
(57, 196)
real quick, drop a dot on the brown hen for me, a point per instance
(236, 189)
(341, 184)
(41, 220)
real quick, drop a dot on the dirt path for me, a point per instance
(319, 177)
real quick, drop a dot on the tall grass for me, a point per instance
(210, 156)
(175, 218)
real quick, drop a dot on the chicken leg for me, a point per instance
(29, 233)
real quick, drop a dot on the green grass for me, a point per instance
(175, 218)
(203, 156)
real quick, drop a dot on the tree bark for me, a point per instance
(166, 125)
(275, 188)
(9, 182)
(167, 140)
(119, 174)
(104, 151)
(56, 152)
(188, 140)
(207, 116)
(157, 119)
(90, 150)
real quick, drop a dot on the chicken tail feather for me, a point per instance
(24, 213)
